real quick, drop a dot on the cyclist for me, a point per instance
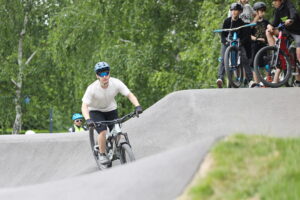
(231, 22)
(77, 123)
(99, 104)
(258, 36)
(285, 13)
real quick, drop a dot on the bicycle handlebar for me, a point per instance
(233, 29)
(116, 121)
(281, 26)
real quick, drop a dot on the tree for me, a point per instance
(24, 27)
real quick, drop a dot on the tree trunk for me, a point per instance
(18, 120)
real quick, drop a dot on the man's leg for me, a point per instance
(100, 116)
(270, 37)
(221, 70)
(246, 64)
(102, 141)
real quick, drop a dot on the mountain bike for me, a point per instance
(272, 64)
(233, 57)
(117, 142)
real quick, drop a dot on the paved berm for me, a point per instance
(170, 140)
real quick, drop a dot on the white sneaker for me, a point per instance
(103, 159)
(252, 84)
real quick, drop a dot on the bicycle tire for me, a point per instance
(295, 66)
(265, 68)
(93, 143)
(126, 154)
(233, 69)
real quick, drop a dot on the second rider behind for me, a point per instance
(99, 104)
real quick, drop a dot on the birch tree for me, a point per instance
(18, 84)
(23, 31)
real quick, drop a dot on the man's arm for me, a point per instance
(292, 9)
(132, 99)
(276, 20)
(85, 111)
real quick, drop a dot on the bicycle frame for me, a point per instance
(114, 140)
(235, 42)
(281, 43)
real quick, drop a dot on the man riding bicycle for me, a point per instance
(286, 13)
(99, 104)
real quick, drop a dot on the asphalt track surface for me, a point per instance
(170, 140)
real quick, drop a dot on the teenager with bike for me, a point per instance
(258, 37)
(285, 12)
(231, 22)
(99, 104)
(248, 15)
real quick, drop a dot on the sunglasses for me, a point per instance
(78, 120)
(102, 74)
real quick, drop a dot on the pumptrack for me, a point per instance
(170, 140)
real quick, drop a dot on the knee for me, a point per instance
(268, 33)
(103, 133)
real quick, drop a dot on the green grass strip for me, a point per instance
(251, 167)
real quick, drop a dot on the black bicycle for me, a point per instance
(117, 143)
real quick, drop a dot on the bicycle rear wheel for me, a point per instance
(268, 62)
(126, 154)
(233, 66)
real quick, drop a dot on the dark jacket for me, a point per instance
(242, 33)
(287, 11)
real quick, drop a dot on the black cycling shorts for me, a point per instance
(97, 116)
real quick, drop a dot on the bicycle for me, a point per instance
(232, 57)
(118, 146)
(272, 64)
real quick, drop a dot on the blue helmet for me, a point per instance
(101, 66)
(77, 116)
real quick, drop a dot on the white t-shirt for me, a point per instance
(98, 98)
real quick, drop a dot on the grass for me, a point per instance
(251, 167)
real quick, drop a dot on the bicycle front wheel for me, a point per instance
(233, 66)
(272, 67)
(94, 144)
(126, 154)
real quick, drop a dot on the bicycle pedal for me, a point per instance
(96, 148)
